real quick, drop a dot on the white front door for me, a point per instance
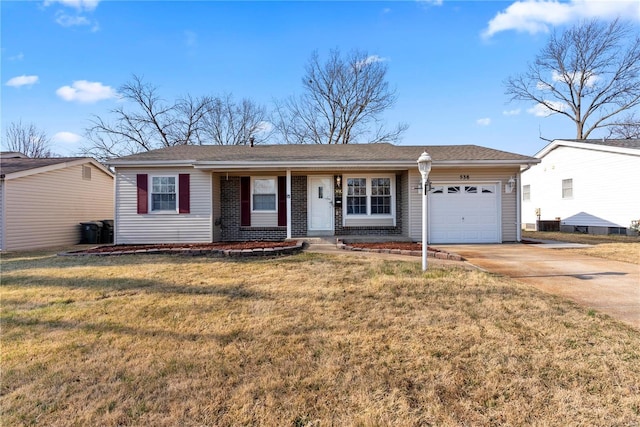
(320, 207)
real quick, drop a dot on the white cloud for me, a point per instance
(71, 21)
(541, 110)
(18, 57)
(535, 16)
(370, 60)
(22, 81)
(431, 2)
(511, 112)
(575, 77)
(486, 121)
(67, 137)
(86, 92)
(75, 4)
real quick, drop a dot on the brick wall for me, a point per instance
(298, 206)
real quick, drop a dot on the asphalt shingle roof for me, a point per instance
(13, 165)
(316, 152)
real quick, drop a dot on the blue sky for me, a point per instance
(63, 61)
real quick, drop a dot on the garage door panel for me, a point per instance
(464, 213)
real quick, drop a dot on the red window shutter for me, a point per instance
(184, 193)
(245, 201)
(282, 201)
(143, 199)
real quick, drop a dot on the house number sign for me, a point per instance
(464, 177)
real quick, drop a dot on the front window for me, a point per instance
(369, 196)
(264, 194)
(163, 193)
(567, 188)
(380, 196)
(356, 196)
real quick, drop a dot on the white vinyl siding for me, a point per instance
(601, 183)
(46, 209)
(507, 209)
(194, 227)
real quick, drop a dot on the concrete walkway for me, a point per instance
(610, 287)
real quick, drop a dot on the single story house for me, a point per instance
(192, 194)
(585, 185)
(43, 201)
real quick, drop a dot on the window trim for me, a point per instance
(526, 193)
(150, 195)
(569, 181)
(368, 178)
(251, 194)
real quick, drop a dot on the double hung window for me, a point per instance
(369, 196)
(163, 193)
(356, 196)
(264, 194)
(567, 188)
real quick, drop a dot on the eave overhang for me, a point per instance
(221, 166)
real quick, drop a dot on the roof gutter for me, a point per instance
(315, 165)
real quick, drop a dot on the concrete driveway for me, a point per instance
(610, 287)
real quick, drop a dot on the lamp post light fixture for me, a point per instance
(424, 166)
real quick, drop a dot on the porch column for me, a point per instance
(288, 203)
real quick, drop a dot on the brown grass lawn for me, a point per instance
(617, 248)
(308, 340)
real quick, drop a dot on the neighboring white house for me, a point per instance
(189, 194)
(43, 201)
(589, 185)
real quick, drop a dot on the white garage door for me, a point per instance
(464, 213)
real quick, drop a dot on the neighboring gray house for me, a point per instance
(43, 201)
(192, 194)
(587, 185)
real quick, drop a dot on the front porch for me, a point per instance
(297, 216)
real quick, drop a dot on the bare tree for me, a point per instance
(28, 140)
(229, 123)
(343, 102)
(148, 122)
(627, 128)
(590, 73)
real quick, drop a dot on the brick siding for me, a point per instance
(230, 214)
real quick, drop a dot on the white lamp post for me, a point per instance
(424, 166)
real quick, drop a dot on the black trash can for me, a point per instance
(107, 231)
(90, 232)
